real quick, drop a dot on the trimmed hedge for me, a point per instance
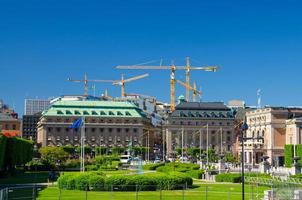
(143, 182)
(288, 155)
(299, 152)
(81, 181)
(178, 167)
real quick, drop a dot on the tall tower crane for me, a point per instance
(173, 68)
(114, 82)
(194, 90)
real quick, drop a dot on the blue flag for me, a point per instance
(77, 124)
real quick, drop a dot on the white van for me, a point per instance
(125, 159)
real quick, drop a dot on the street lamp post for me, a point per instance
(244, 127)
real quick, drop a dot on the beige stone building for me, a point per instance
(200, 124)
(294, 131)
(107, 124)
(270, 124)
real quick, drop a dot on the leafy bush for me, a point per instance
(50, 155)
(34, 165)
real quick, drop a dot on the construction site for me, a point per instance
(140, 119)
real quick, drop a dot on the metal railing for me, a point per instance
(129, 192)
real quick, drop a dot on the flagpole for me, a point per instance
(83, 145)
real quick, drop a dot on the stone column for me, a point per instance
(168, 142)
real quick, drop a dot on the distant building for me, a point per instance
(193, 118)
(33, 106)
(270, 124)
(239, 109)
(29, 126)
(147, 104)
(9, 123)
(107, 124)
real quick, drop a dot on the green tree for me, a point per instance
(230, 158)
(50, 155)
(194, 152)
(69, 149)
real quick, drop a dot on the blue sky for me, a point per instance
(257, 44)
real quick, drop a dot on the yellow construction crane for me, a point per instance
(86, 81)
(173, 68)
(114, 82)
(123, 81)
(194, 90)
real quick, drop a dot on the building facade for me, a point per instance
(200, 124)
(29, 126)
(33, 106)
(267, 127)
(10, 125)
(294, 131)
(107, 124)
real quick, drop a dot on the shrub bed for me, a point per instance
(144, 182)
(191, 170)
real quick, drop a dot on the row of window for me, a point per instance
(93, 120)
(93, 112)
(101, 130)
(9, 127)
(94, 139)
(197, 123)
(206, 114)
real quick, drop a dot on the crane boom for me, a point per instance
(173, 68)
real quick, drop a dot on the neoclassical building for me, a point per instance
(294, 131)
(107, 124)
(195, 124)
(270, 124)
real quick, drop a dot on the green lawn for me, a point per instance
(211, 191)
(27, 177)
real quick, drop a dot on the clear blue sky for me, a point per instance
(257, 44)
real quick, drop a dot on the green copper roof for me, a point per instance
(93, 108)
